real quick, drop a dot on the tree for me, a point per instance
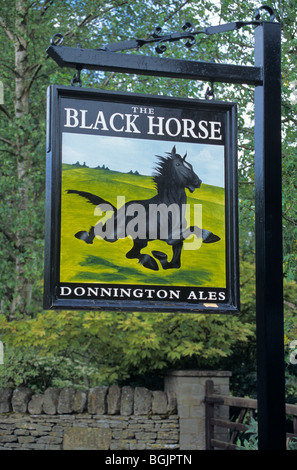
(25, 31)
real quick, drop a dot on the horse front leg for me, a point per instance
(175, 262)
(146, 260)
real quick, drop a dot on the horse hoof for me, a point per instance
(211, 238)
(159, 255)
(83, 235)
(148, 262)
(162, 257)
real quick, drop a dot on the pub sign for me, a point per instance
(141, 203)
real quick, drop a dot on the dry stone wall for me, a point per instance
(102, 418)
(114, 418)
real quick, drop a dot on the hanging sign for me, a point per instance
(141, 203)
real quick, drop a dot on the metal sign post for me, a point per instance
(268, 205)
(266, 77)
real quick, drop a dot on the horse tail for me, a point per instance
(91, 198)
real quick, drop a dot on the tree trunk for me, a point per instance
(23, 236)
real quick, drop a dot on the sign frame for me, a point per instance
(52, 286)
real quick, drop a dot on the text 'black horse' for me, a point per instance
(161, 217)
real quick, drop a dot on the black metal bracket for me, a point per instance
(76, 78)
(94, 59)
(209, 94)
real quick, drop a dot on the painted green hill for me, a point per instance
(104, 262)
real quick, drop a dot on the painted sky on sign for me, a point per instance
(125, 154)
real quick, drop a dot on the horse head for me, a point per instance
(182, 172)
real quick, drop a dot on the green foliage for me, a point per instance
(249, 439)
(290, 329)
(119, 345)
(29, 368)
(292, 445)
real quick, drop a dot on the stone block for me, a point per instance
(26, 439)
(78, 438)
(167, 436)
(120, 445)
(97, 400)
(114, 400)
(189, 426)
(8, 439)
(171, 402)
(123, 434)
(66, 401)
(35, 405)
(22, 432)
(50, 400)
(80, 401)
(136, 445)
(20, 399)
(159, 403)
(142, 401)
(5, 400)
(127, 401)
(50, 440)
(184, 410)
(145, 435)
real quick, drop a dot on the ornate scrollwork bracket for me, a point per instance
(188, 33)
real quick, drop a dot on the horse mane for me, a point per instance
(162, 172)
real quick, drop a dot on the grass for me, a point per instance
(104, 262)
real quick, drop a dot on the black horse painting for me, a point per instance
(161, 217)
